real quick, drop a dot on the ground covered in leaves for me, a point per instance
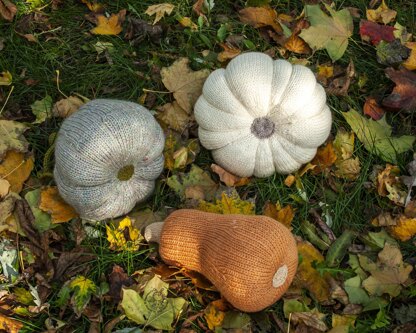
(352, 208)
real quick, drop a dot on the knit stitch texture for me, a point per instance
(243, 256)
(252, 89)
(98, 141)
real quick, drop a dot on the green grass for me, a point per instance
(69, 49)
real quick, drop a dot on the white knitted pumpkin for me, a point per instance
(107, 157)
(260, 116)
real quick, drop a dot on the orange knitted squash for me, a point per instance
(250, 259)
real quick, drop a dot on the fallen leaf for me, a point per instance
(340, 84)
(42, 220)
(67, 106)
(297, 45)
(401, 33)
(111, 25)
(174, 116)
(259, 17)
(4, 188)
(213, 316)
(228, 52)
(374, 33)
(382, 14)
(6, 78)
(7, 205)
(11, 137)
(403, 95)
(281, 214)
(154, 308)
(376, 136)
(93, 6)
(390, 185)
(117, 280)
(160, 10)
(16, 168)
(178, 153)
(187, 23)
(82, 289)
(228, 204)
(228, 178)
(184, 83)
(328, 32)
(195, 177)
(124, 237)
(388, 273)
(348, 169)
(8, 324)
(344, 144)
(313, 319)
(52, 203)
(7, 10)
(404, 229)
(343, 320)
(391, 54)
(42, 109)
(384, 219)
(324, 72)
(372, 109)
(324, 158)
(290, 180)
(410, 62)
(307, 276)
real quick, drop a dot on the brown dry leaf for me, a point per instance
(11, 137)
(313, 319)
(67, 106)
(410, 62)
(410, 209)
(52, 203)
(281, 214)
(228, 178)
(382, 14)
(339, 86)
(6, 209)
(259, 17)
(390, 185)
(228, 52)
(348, 169)
(373, 109)
(7, 10)
(388, 273)
(404, 93)
(324, 158)
(8, 324)
(198, 280)
(308, 277)
(213, 316)
(297, 45)
(178, 153)
(187, 23)
(111, 25)
(383, 220)
(173, 116)
(404, 229)
(184, 83)
(4, 188)
(160, 10)
(346, 166)
(16, 168)
(324, 73)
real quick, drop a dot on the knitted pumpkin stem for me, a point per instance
(262, 127)
(126, 172)
(153, 232)
(280, 276)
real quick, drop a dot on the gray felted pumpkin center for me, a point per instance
(125, 173)
(262, 127)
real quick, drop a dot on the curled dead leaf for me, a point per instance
(373, 109)
(67, 106)
(52, 203)
(228, 178)
(7, 10)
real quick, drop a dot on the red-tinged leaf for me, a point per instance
(372, 109)
(403, 95)
(374, 33)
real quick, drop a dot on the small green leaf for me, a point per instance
(222, 33)
(338, 249)
(43, 220)
(42, 109)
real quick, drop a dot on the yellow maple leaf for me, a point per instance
(52, 203)
(404, 229)
(160, 10)
(6, 78)
(382, 14)
(284, 214)
(307, 276)
(229, 204)
(111, 25)
(213, 316)
(324, 158)
(16, 168)
(410, 62)
(125, 237)
(9, 324)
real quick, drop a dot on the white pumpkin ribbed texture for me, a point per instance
(107, 157)
(260, 116)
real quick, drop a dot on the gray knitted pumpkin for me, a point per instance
(107, 157)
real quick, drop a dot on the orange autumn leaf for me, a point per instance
(410, 62)
(297, 45)
(93, 6)
(290, 180)
(324, 158)
(283, 215)
(214, 316)
(228, 178)
(52, 203)
(228, 52)
(260, 17)
(404, 229)
(16, 168)
(373, 109)
(307, 276)
(9, 325)
(111, 25)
